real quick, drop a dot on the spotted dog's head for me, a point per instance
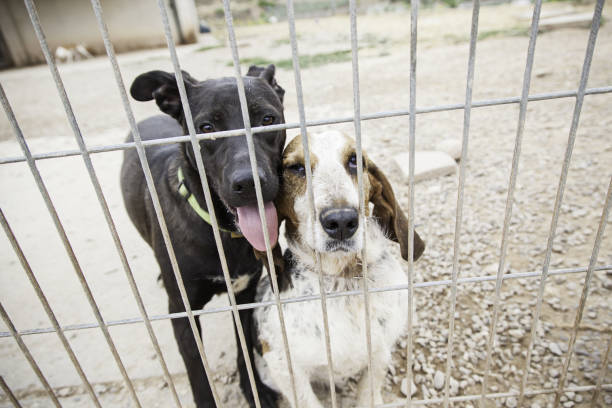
(336, 230)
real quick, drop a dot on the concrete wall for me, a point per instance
(132, 25)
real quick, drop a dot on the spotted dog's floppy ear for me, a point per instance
(162, 87)
(283, 280)
(389, 213)
(267, 74)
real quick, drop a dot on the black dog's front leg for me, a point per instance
(267, 397)
(202, 394)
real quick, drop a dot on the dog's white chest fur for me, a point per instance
(304, 320)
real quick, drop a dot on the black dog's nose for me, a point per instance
(340, 223)
(243, 183)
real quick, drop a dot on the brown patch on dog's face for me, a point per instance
(349, 158)
(293, 184)
(265, 347)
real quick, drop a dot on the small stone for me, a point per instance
(554, 373)
(404, 388)
(568, 404)
(516, 333)
(555, 349)
(438, 380)
(453, 386)
(511, 402)
(100, 388)
(425, 391)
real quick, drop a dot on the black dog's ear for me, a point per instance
(283, 280)
(267, 74)
(389, 213)
(162, 87)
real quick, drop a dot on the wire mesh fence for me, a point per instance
(303, 125)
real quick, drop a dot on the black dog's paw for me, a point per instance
(206, 405)
(267, 397)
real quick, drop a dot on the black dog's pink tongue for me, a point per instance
(250, 225)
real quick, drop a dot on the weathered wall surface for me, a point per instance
(132, 25)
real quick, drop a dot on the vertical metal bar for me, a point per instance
(43, 300)
(511, 186)
(64, 238)
(585, 287)
(154, 198)
(64, 97)
(362, 203)
(28, 356)
(111, 54)
(602, 374)
(305, 146)
(560, 190)
(111, 225)
(159, 213)
(9, 393)
(251, 148)
(458, 217)
(208, 198)
(414, 17)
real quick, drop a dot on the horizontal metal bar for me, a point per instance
(330, 295)
(296, 125)
(462, 398)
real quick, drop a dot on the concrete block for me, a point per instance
(582, 20)
(427, 165)
(452, 147)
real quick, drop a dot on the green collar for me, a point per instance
(185, 193)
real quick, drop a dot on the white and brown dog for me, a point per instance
(337, 235)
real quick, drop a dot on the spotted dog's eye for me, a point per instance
(352, 162)
(267, 120)
(298, 169)
(207, 128)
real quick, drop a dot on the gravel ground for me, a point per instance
(384, 73)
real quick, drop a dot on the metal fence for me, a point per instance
(303, 124)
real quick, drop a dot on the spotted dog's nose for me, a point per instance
(340, 223)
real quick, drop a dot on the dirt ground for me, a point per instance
(384, 73)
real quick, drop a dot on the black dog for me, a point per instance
(215, 106)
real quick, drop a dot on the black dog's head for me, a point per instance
(215, 106)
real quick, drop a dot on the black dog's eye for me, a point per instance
(207, 128)
(267, 120)
(298, 169)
